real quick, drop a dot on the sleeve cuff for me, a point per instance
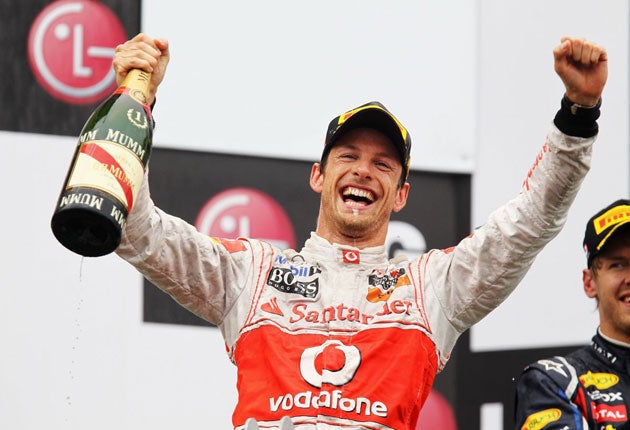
(577, 120)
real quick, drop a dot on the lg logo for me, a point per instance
(70, 50)
(341, 363)
(404, 238)
(245, 212)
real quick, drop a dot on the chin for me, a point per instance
(356, 229)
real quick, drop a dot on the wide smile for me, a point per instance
(357, 198)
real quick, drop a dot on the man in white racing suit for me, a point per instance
(335, 335)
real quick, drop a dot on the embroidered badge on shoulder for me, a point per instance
(382, 285)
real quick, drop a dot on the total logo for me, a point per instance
(70, 48)
(607, 413)
(246, 212)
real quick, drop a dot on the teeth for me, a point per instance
(351, 191)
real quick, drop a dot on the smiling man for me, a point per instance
(362, 175)
(590, 388)
(336, 335)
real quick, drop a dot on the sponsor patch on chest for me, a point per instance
(381, 284)
(301, 279)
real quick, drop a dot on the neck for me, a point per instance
(361, 242)
(612, 340)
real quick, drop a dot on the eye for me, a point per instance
(618, 264)
(348, 156)
(383, 165)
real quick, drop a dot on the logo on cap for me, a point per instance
(612, 217)
(372, 115)
(603, 225)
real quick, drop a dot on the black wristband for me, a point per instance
(577, 120)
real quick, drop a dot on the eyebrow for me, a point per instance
(355, 147)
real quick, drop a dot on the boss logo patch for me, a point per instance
(302, 280)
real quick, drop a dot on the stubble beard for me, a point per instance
(354, 229)
(358, 226)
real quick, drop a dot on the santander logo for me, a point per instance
(70, 50)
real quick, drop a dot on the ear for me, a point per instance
(401, 197)
(317, 178)
(588, 281)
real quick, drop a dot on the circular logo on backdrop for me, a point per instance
(70, 50)
(246, 212)
(404, 238)
(436, 413)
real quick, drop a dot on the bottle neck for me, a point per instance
(136, 84)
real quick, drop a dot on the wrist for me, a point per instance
(583, 102)
(577, 119)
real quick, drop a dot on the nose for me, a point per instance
(362, 168)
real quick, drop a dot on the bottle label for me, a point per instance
(109, 167)
(136, 85)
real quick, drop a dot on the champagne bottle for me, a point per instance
(106, 171)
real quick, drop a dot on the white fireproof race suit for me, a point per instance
(339, 337)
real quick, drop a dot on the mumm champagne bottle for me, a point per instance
(106, 171)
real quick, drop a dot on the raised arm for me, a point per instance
(484, 268)
(145, 53)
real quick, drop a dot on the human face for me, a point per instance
(359, 188)
(609, 282)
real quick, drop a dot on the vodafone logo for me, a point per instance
(70, 50)
(351, 257)
(246, 212)
(342, 362)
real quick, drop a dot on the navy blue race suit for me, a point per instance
(587, 389)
